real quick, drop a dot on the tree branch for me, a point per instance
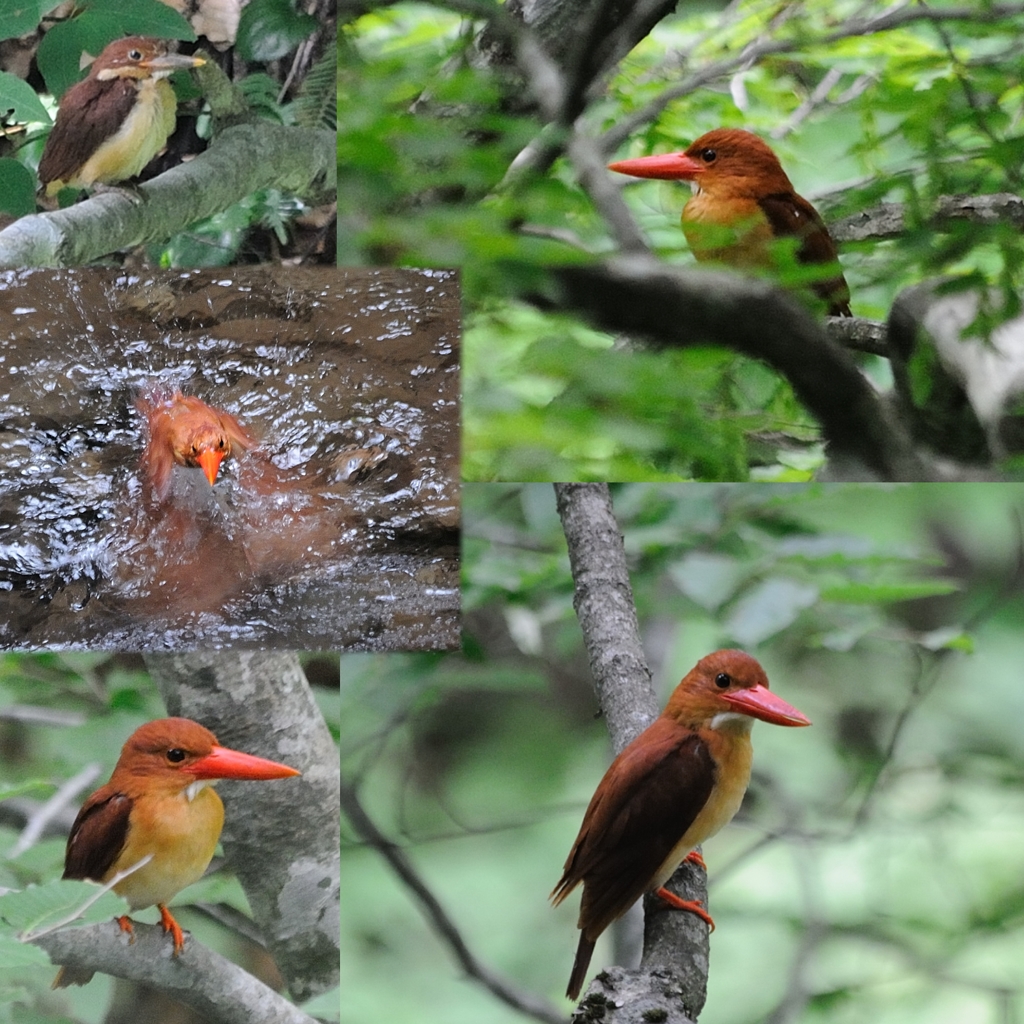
(283, 841)
(240, 161)
(438, 918)
(684, 307)
(889, 220)
(211, 984)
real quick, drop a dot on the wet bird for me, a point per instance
(114, 121)
(676, 785)
(157, 803)
(186, 431)
(743, 203)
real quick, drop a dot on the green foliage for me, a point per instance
(17, 188)
(271, 29)
(427, 138)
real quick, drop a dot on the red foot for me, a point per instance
(125, 924)
(695, 858)
(172, 928)
(693, 906)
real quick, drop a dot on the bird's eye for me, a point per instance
(722, 680)
(176, 755)
(135, 55)
(708, 156)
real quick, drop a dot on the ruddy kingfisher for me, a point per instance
(114, 121)
(158, 803)
(184, 430)
(743, 203)
(677, 784)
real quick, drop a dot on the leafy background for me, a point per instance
(59, 713)
(428, 134)
(874, 870)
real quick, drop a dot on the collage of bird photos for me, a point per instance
(434, 434)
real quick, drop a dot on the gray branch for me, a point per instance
(222, 992)
(240, 161)
(889, 220)
(678, 307)
(281, 837)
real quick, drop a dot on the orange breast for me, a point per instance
(735, 232)
(180, 833)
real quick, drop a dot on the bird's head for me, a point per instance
(139, 57)
(182, 753)
(728, 162)
(729, 686)
(185, 430)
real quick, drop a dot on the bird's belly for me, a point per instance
(721, 234)
(181, 835)
(724, 802)
(143, 134)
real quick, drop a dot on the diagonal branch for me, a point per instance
(211, 984)
(525, 1002)
(682, 307)
(240, 161)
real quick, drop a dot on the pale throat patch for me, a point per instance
(195, 788)
(732, 721)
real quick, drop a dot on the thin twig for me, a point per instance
(52, 808)
(525, 1002)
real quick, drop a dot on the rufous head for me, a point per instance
(729, 682)
(187, 431)
(139, 57)
(728, 161)
(182, 752)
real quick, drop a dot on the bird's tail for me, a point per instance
(584, 951)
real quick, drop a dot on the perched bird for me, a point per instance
(679, 782)
(158, 801)
(113, 122)
(187, 431)
(743, 202)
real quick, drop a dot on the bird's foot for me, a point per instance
(125, 924)
(171, 927)
(693, 906)
(695, 858)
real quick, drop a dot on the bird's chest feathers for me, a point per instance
(181, 832)
(729, 741)
(727, 229)
(141, 135)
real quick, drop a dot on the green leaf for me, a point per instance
(15, 955)
(32, 785)
(769, 608)
(20, 97)
(885, 593)
(269, 29)
(34, 907)
(19, 17)
(17, 188)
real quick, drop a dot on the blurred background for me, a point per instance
(874, 871)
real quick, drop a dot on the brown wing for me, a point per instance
(98, 835)
(791, 216)
(647, 800)
(89, 112)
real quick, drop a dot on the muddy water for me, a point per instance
(338, 529)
